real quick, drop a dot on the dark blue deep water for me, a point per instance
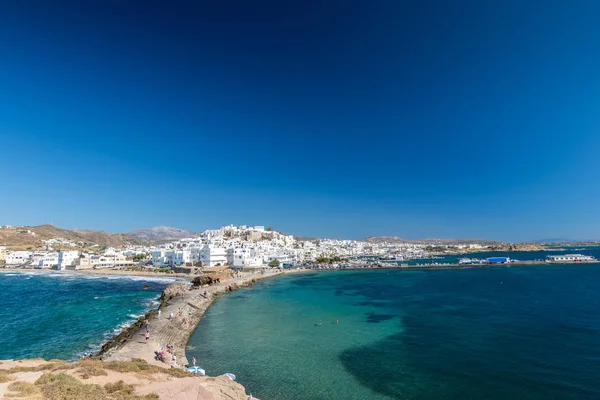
(483, 333)
(61, 316)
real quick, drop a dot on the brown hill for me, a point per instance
(22, 237)
(396, 239)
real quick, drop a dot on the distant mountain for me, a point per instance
(561, 240)
(161, 233)
(396, 239)
(32, 236)
(385, 239)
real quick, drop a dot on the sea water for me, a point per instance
(530, 332)
(539, 255)
(61, 315)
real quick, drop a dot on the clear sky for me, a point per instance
(466, 119)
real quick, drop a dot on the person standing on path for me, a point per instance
(147, 336)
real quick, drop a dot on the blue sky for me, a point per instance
(346, 119)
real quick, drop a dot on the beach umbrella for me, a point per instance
(230, 376)
(197, 370)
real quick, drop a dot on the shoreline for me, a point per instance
(456, 266)
(188, 308)
(103, 272)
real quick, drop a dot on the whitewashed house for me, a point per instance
(212, 256)
(242, 257)
(49, 260)
(18, 257)
(66, 259)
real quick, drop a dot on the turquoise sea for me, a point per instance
(57, 315)
(482, 333)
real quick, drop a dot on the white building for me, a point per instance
(569, 258)
(49, 260)
(66, 259)
(159, 258)
(18, 257)
(241, 257)
(212, 256)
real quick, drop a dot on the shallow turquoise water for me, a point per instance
(493, 333)
(62, 316)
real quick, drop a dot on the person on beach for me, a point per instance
(194, 361)
(147, 336)
(174, 360)
(171, 315)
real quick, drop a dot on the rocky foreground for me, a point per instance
(126, 368)
(114, 380)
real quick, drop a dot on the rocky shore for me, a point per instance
(37, 379)
(126, 367)
(179, 313)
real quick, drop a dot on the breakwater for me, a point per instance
(180, 311)
(446, 265)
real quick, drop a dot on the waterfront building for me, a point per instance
(47, 260)
(243, 257)
(159, 258)
(95, 262)
(569, 258)
(212, 256)
(18, 257)
(66, 259)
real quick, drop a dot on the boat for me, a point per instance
(570, 258)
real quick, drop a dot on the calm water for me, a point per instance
(61, 316)
(515, 255)
(487, 333)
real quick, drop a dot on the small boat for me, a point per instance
(230, 376)
(197, 370)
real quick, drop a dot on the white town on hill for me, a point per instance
(239, 247)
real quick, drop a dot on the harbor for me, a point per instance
(462, 263)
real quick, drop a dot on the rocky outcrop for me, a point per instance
(203, 280)
(123, 380)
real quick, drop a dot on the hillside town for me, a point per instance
(238, 247)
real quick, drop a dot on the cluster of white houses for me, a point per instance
(63, 260)
(236, 246)
(239, 247)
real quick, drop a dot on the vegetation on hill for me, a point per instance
(32, 237)
(91, 379)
